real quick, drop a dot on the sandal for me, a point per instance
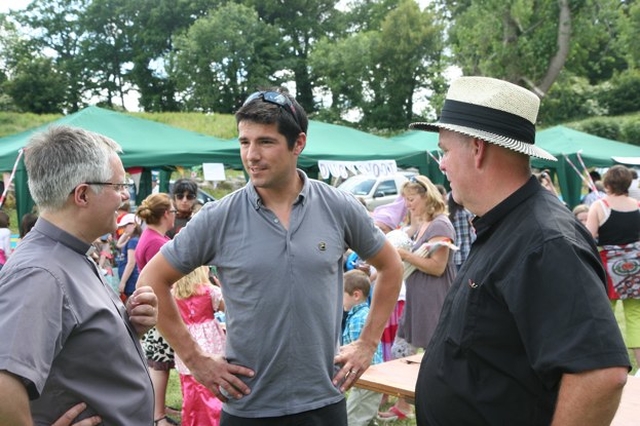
(394, 414)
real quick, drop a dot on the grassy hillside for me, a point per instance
(622, 128)
(13, 122)
(223, 126)
(218, 125)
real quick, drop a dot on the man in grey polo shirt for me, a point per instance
(67, 339)
(278, 245)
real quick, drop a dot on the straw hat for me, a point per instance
(493, 110)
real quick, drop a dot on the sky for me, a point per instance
(6, 5)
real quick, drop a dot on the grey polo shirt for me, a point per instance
(66, 333)
(282, 289)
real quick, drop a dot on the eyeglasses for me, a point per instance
(174, 211)
(276, 98)
(188, 196)
(119, 187)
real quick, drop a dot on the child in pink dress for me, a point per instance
(198, 300)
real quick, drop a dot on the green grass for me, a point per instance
(13, 122)
(219, 125)
(174, 394)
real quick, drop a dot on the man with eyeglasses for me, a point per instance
(69, 345)
(278, 245)
(184, 197)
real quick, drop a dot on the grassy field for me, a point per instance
(13, 122)
(174, 397)
(219, 125)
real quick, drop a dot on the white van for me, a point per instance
(375, 191)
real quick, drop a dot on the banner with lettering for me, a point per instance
(344, 169)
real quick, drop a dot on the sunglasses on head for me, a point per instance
(413, 179)
(189, 196)
(275, 98)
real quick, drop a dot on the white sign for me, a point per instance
(344, 168)
(213, 171)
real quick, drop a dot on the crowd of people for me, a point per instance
(506, 291)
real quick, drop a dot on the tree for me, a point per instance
(155, 23)
(301, 24)
(379, 71)
(629, 23)
(407, 57)
(224, 56)
(530, 43)
(57, 31)
(106, 48)
(9, 40)
(366, 15)
(343, 69)
(29, 81)
(37, 87)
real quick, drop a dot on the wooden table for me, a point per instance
(398, 378)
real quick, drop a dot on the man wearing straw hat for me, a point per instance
(526, 335)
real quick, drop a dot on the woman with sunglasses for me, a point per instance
(184, 197)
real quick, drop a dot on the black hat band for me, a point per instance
(488, 119)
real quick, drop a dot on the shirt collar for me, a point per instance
(50, 230)
(483, 224)
(358, 307)
(256, 201)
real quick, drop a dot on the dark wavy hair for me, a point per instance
(260, 111)
(184, 185)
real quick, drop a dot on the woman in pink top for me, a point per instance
(159, 214)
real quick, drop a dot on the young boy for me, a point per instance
(362, 405)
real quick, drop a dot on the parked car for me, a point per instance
(375, 191)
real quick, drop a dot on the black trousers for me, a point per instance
(331, 415)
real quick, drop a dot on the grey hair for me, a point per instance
(62, 157)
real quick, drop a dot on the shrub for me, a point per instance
(631, 131)
(604, 127)
(622, 97)
(568, 100)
